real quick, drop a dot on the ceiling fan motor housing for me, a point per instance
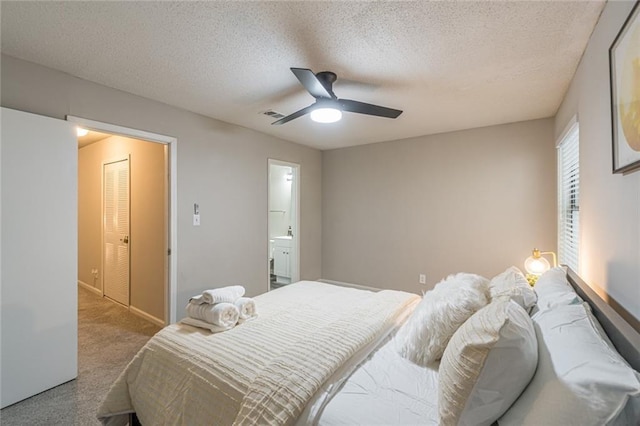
(327, 78)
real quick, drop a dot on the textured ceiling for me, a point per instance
(449, 65)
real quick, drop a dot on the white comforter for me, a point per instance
(260, 372)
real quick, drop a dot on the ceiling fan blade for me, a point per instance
(311, 83)
(369, 109)
(295, 115)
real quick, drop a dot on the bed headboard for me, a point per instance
(624, 337)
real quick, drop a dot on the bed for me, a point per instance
(325, 354)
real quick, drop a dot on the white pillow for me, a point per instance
(580, 380)
(424, 336)
(553, 289)
(487, 364)
(512, 284)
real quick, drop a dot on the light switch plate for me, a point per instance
(196, 220)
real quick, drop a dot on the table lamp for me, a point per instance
(536, 265)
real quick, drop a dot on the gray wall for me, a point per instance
(221, 166)
(148, 226)
(609, 204)
(475, 201)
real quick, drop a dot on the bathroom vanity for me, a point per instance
(282, 254)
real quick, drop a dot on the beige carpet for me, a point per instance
(108, 338)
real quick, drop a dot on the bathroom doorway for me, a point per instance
(283, 223)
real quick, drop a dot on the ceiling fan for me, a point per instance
(328, 108)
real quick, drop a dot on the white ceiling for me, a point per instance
(449, 65)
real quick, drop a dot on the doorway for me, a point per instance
(159, 213)
(283, 223)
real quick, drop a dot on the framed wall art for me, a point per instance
(624, 64)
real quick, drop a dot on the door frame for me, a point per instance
(171, 291)
(126, 158)
(295, 197)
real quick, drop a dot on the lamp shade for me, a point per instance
(536, 265)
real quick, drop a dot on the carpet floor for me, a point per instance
(108, 338)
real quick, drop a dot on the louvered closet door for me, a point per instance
(116, 231)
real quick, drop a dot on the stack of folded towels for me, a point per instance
(220, 309)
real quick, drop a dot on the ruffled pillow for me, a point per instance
(423, 338)
(513, 285)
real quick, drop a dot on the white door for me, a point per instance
(39, 309)
(116, 231)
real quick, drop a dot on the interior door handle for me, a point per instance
(125, 239)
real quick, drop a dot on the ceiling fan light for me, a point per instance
(326, 115)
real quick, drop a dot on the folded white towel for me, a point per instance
(220, 314)
(203, 324)
(247, 308)
(219, 295)
(197, 300)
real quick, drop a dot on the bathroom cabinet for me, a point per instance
(282, 259)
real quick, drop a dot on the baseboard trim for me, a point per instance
(148, 317)
(343, 284)
(90, 288)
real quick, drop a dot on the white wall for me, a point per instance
(279, 201)
(609, 204)
(475, 201)
(221, 166)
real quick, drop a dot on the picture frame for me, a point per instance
(624, 68)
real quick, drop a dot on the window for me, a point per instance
(569, 199)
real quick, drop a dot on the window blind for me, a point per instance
(569, 199)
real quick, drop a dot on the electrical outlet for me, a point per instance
(423, 279)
